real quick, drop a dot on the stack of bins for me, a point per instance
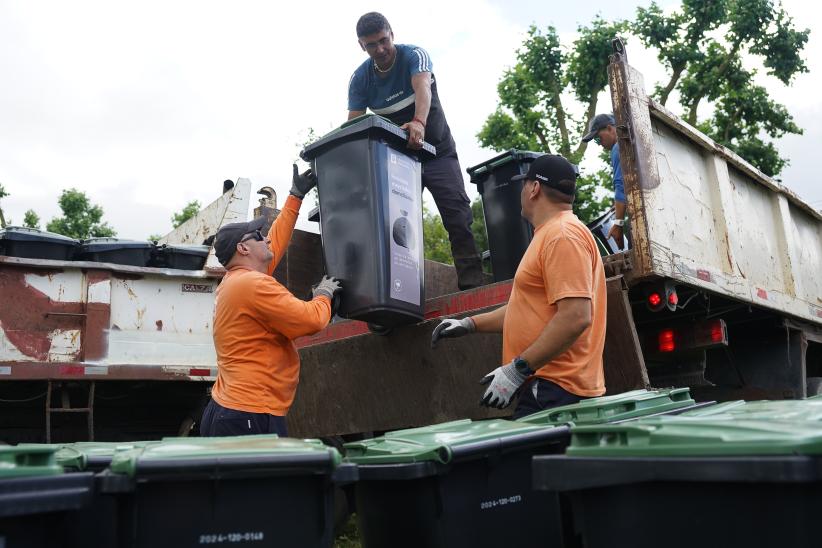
(369, 188)
(466, 483)
(508, 232)
(731, 475)
(36, 496)
(255, 490)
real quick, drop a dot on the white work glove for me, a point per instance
(452, 328)
(328, 287)
(503, 384)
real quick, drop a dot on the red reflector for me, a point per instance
(654, 299)
(673, 299)
(666, 340)
(199, 372)
(717, 335)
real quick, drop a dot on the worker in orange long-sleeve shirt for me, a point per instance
(256, 320)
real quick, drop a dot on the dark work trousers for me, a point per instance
(443, 179)
(221, 421)
(540, 394)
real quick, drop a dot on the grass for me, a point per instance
(349, 536)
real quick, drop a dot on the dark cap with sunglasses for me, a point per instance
(225, 245)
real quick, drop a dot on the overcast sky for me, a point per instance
(146, 106)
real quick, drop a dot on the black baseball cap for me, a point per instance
(225, 244)
(553, 171)
(600, 121)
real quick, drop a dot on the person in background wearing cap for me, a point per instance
(553, 326)
(256, 320)
(397, 82)
(603, 130)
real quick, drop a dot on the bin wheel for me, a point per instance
(379, 329)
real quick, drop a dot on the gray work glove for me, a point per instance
(301, 183)
(328, 287)
(452, 328)
(503, 384)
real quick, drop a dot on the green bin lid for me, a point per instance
(678, 436)
(28, 459)
(79, 454)
(628, 405)
(366, 124)
(435, 443)
(181, 450)
(781, 410)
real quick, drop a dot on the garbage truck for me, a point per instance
(720, 291)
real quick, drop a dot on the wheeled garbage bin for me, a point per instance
(244, 490)
(180, 256)
(458, 484)
(116, 251)
(95, 525)
(508, 232)
(701, 480)
(31, 243)
(369, 187)
(36, 497)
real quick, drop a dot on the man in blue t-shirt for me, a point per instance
(603, 130)
(397, 82)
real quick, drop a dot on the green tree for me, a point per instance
(190, 210)
(548, 97)
(478, 226)
(436, 245)
(31, 219)
(153, 237)
(81, 219)
(702, 45)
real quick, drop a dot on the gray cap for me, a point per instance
(600, 121)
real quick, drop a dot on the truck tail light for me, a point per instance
(663, 296)
(700, 336)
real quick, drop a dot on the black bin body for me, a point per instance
(369, 187)
(684, 502)
(116, 251)
(508, 232)
(181, 257)
(33, 510)
(461, 504)
(30, 243)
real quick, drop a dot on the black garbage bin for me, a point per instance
(508, 232)
(116, 251)
(245, 490)
(36, 497)
(369, 187)
(708, 479)
(458, 484)
(30, 243)
(600, 227)
(180, 256)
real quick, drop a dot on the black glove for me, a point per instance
(301, 183)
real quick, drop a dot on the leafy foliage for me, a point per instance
(436, 245)
(702, 45)
(81, 219)
(31, 219)
(3, 194)
(190, 210)
(547, 98)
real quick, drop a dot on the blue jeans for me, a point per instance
(221, 421)
(540, 394)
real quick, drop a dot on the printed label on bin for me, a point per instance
(406, 227)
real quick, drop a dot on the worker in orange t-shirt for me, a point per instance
(553, 326)
(256, 320)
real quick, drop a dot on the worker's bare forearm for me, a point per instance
(421, 83)
(490, 322)
(619, 209)
(558, 336)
